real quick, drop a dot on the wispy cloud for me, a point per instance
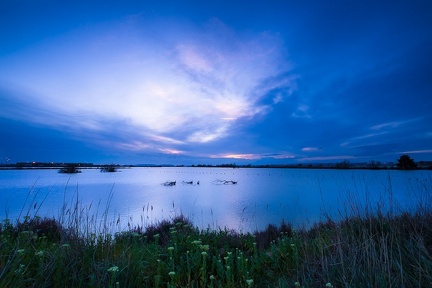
(327, 158)
(252, 156)
(132, 145)
(191, 82)
(387, 129)
(393, 124)
(171, 151)
(311, 149)
(427, 151)
(367, 136)
(238, 156)
(302, 112)
(279, 156)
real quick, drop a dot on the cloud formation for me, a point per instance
(188, 84)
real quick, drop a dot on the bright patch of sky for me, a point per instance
(198, 79)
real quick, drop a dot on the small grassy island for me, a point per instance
(379, 250)
(70, 169)
(109, 168)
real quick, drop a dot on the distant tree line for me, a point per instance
(404, 162)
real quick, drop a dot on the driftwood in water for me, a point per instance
(169, 183)
(224, 182)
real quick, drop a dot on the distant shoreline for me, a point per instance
(422, 165)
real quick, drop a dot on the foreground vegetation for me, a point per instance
(369, 248)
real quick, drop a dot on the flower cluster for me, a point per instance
(113, 269)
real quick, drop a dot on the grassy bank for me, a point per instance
(364, 249)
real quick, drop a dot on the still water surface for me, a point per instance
(261, 196)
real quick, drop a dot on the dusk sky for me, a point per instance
(210, 82)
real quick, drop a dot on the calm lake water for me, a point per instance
(261, 196)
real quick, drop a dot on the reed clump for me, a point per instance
(370, 250)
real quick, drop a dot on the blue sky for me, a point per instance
(208, 82)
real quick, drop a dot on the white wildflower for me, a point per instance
(113, 269)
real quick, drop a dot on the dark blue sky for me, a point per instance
(190, 82)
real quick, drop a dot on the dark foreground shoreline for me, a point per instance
(376, 250)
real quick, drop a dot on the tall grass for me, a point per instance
(376, 248)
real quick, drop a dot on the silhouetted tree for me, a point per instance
(374, 164)
(405, 162)
(343, 165)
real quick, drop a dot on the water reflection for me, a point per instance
(259, 196)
